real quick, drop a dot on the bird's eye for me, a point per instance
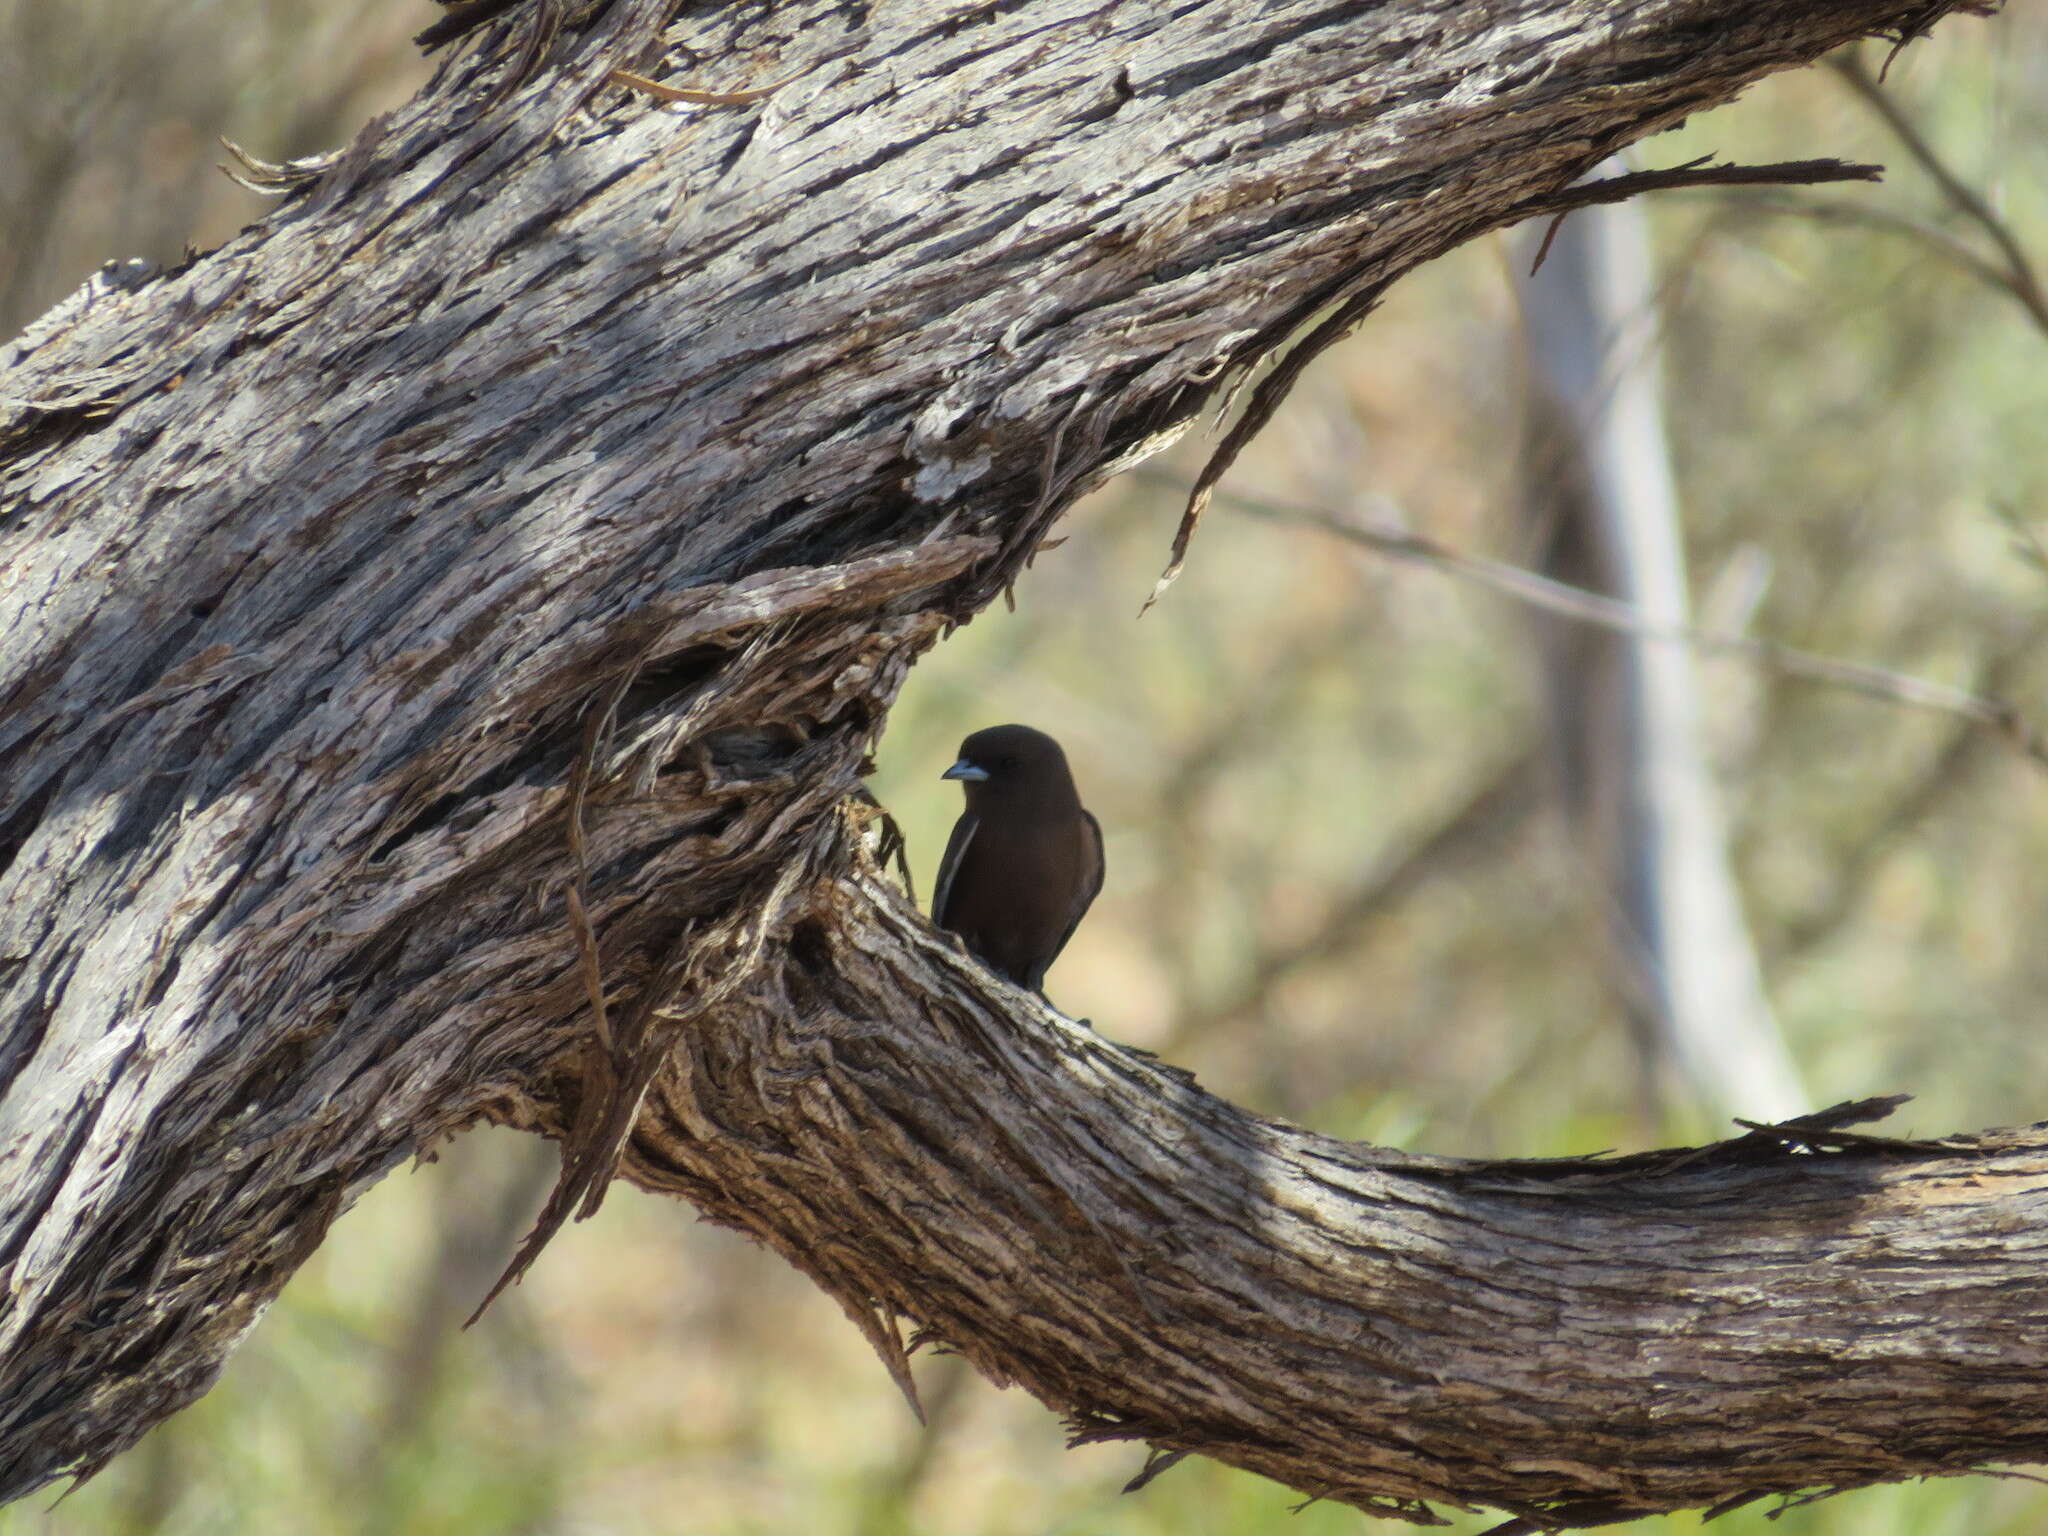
(1008, 762)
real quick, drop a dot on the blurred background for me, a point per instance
(1391, 852)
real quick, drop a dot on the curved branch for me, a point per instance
(1577, 1341)
(552, 496)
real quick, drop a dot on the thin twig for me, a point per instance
(1948, 773)
(1526, 586)
(1694, 173)
(1940, 241)
(2025, 282)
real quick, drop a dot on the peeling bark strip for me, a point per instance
(318, 554)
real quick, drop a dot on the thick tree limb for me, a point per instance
(553, 497)
(1577, 1340)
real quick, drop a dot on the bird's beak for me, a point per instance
(963, 769)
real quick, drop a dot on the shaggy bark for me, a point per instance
(444, 626)
(1576, 1340)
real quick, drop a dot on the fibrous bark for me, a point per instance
(443, 629)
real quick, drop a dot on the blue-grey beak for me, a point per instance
(973, 773)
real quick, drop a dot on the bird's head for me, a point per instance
(1007, 761)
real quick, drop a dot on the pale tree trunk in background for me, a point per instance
(442, 632)
(1626, 720)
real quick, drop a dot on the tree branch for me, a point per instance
(1997, 717)
(2018, 276)
(1577, 1341)
(1694, 173)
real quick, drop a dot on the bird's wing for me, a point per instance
(1085, 897)
(949, 864)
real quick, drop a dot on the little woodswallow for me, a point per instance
(1024, 860)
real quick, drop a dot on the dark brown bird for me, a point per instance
(1024, 860)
